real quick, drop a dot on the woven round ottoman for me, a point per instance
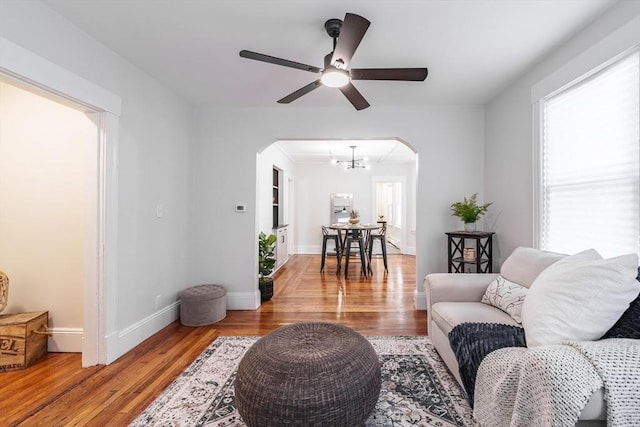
(308, 374)
(203, 305)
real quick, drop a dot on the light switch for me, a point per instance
(159, 211)
(241, 208)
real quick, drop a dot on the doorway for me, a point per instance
(390, 205)
(48, 180)
(101, 244)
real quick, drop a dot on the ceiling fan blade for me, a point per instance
(351, 33)
(355, 97)
(278, 61)
(302, 91)
(409, 74)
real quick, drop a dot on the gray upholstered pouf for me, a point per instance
(203, 305)
(308, 374)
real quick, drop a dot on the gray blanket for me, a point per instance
(550, 385)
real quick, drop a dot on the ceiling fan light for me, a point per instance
(334, 77)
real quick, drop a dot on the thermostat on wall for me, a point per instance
(241, 208)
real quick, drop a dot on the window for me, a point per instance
(590, 163)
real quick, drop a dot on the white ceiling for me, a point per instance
(378, 151)
(472, 48)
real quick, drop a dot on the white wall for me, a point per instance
(45, 155)
(510, 128)
(315, 183)
(449, 141)
(153, 163)
(200, 239)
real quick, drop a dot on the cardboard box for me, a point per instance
(23, 339)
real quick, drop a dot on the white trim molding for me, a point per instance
(65, 340)
(133, 335)
(243, 300)
(26, 66)
(420, 299)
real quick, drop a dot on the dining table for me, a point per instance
(358, 231)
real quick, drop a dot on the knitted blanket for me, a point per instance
(471, 342)
(550, 385)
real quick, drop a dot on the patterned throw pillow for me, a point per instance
(507, 296)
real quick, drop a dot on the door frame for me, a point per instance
(101, 241)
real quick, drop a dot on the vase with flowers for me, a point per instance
(354, 216)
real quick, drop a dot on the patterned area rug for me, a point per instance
(417, 389)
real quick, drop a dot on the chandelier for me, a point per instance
(353, 163)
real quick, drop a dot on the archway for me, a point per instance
(315, 177)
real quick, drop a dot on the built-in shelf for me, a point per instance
(276, 197)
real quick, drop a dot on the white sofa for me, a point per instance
(453, 299)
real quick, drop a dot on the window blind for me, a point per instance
(591, 163)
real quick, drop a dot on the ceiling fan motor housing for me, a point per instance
(333, 26)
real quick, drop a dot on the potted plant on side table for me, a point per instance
(266, 264)
(469, 211)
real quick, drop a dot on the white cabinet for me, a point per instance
(281, 246)
(282, 252)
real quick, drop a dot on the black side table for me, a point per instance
(478, 254)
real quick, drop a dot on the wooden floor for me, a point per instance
(56, 391)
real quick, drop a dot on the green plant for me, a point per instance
(354, 213)
(468, 210)
(380, 217)
(266, 254)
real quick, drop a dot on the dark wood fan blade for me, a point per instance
(355, 97)
(351, 33)
(278, 61)
(298, 93)
(410, 74)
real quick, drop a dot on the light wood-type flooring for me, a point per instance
(56, 391)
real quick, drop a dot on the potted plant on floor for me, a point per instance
(266, 264)
(469, 211)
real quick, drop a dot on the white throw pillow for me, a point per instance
(505, 295)
(579, 298)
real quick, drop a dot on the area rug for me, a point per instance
(417, 389)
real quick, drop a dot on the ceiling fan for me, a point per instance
(346, 37)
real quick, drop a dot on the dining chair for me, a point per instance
(382, 236)
(326, 236)
(355, 236)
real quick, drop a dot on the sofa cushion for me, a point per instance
(525, 264)
(447, 315)
(579, 298)
(505, 295)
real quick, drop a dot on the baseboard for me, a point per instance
(243, 300)
(133, 335)
(309, 250)
(420, 300)
(411, 250)
(65, 340)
